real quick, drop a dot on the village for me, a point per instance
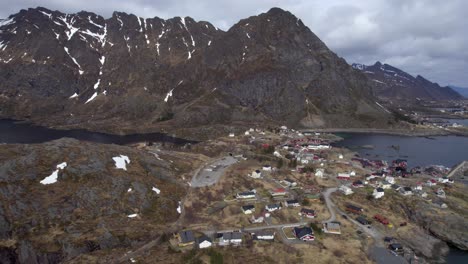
(292, 187)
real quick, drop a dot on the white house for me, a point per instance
(231, 135)
(378, 193)
(343, 176)
(264, 235)
(443, 180)
(340, 156)
(346, 190)
(256, 174)
(248, 209)
(277, 154)
(289, 182)
(258, 220)
(246, 195)
(406, 191)
(318, 147)
(266, 168)
(272, 207)
(390, 179)
(204, 242)
(352, 173)
(230, 238)
(385, 185)
(319, 173)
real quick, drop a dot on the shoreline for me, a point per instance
(393, 132)
(169, 132)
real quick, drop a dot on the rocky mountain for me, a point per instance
(66, 198)
(463, 91)
(132, 74)
(392, 83)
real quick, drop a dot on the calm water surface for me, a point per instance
(419, 151)
(16, 132)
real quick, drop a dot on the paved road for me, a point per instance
(330, 204)
(255, 228)
(378, 252)
(210, 173)
(455, 170)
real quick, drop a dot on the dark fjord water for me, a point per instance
(14, 132)
(419, 151)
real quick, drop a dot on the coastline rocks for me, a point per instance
(424, 244)
(449, 227)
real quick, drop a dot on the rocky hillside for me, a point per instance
(392, 83)
(128, 73)
(65, 198)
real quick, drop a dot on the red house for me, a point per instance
(304, 233)
(381, 219)
(309, 213)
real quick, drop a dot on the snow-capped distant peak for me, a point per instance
(359, 66)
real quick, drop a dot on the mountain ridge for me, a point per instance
(390, 82)
(91, 72)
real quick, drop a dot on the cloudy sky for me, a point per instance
(426, 37)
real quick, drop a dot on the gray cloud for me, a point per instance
(425, 37)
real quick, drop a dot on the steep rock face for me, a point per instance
(88, 206)
(83, 69)
(448, 227)
(392, 83)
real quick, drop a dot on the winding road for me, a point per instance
(378, 252)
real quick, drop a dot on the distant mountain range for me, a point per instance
(461, 90)
(390, 82)
(128, 73)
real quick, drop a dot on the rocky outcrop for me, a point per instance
(148, 74)
(424, 244)
(390, 82)
(449, 227)
(88, 204)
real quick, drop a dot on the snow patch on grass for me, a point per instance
(121, 162)
(53, 177)
(156, 190)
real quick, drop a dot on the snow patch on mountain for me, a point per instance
(46, 14)
(53, 177)
(92, 97)
(121, 162)
(71, 29)
(93, 23)
(74, 60)
(169, 94)
(156, 190)
(7, 22)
